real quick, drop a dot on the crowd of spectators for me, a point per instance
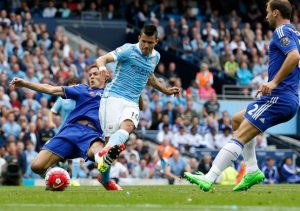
(184, 124)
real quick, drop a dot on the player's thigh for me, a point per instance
(246, 132)
(44, 160)
(269, 111)
(237, 119)
(110, 112)
(130, 118)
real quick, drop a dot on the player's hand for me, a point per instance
(17, 82)
(176, 91)
(266, 88)
(104, 74)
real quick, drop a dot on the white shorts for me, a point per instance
(113, 111)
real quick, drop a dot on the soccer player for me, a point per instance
(81, 134)
(278, 102)
(65, 107)
(119, 111)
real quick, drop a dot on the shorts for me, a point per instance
(269, 111)
(113, 111)
(73, 141)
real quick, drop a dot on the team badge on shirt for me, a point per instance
(92, 94)
(284, 41)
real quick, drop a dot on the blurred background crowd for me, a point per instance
(228, 45)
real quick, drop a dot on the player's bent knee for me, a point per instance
(128, 125)
(38, 167)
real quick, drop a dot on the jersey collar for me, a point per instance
(138, 47)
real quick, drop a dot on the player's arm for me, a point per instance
(45, 88)
(141, 103)
(155, 83)
(287, 67)
(103, 60)
(50, 119)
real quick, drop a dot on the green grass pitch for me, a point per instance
(260, 197)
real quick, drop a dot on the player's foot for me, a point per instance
(199, 179)
(108, 155)
(111, 185)
(249, 180)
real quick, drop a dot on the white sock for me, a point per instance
(250, 156)
(119, 137)
(229, 153)
(96, 152)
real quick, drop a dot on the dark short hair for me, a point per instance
(71, 81)
(149, 30)
(284, 7)
(92, 66)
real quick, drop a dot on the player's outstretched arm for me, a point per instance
(155, 83)
(45, 88)
(103, 60)
(287, 67)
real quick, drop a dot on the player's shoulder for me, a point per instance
(79, 86)
(128, 46)
(156, 53)
(285, 30)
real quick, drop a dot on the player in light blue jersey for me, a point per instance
(81, 134)
(119, 111)
(278, 102)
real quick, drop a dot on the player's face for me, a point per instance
(270, 18)
(147, 43)
(95, 79)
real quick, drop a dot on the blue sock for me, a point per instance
(105, 176)
(119, 137)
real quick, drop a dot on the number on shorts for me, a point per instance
(253, 110)
(135, 116)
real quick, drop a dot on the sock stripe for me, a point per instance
(237, 143)
(230, 152)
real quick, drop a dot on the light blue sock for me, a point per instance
(105, 176)
(119, 137)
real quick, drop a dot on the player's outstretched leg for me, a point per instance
(110, 185)
(249, 180)
(199, 179)
(108, 155)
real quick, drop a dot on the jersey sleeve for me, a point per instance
(73, 92)
(157, 57)
(285, 40)
(122, 53)
(57, 105)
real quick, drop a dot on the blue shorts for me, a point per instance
(73, 141)
(269, 111)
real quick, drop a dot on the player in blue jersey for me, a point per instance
(63, 107)
(119, 111)
(278, 102)
(81, 134)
